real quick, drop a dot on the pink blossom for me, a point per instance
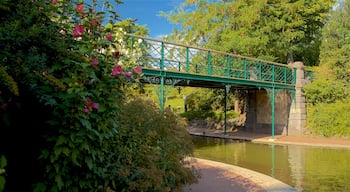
(80, 7)
(94, 105)
(94, 61)
(90, 104)
(137, 70)
(117, 70)
(78, 30)
(128, 75)
(54, 2)
(63, 32)
(109, 37)
(86, 110)
(94, 22)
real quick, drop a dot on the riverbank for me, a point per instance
(277, 139)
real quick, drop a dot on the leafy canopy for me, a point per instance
(275, 30)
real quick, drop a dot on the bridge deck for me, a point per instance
(183, 65)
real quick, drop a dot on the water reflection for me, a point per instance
(303, 167)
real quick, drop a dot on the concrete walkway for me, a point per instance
(221, 177)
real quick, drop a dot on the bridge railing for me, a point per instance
(165, 56)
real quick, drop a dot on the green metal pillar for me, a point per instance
(161, 94)
(245, 68)
(227, 89)
(271, 92)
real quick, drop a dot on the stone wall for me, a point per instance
(259, 113)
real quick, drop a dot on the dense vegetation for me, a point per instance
(328, 96)
(276, 30)
(68, 117)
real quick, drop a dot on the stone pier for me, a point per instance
(297, 114)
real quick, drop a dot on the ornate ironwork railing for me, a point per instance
(165, 56)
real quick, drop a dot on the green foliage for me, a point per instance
(210, 115)
(270, 30)
(190, 115)
(330, 119)
(329, 92)
(209, 99)
(220, 115)
(323, 90)
(157, 144)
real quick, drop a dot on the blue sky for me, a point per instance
(146, 12)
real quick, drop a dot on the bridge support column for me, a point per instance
(227, 89)
(272, 95)
(297, 114)
(161, 95)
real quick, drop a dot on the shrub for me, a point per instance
(158, 144)
(210, 115)
(330, 119)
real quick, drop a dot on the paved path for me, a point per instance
(220, 177)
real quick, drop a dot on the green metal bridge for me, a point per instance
(173, 64)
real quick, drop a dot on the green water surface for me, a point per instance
(303, 167)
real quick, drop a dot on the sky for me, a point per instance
(146, 12)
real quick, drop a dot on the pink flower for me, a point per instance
(94, 22)
(54, 2)
(80, 7)
(86, 110)
(63, 32)
(94, 105)
(128, 75)
(89, 104)
(117, 70)
(78, 30)
(94, 61)
(109, 37)
(137, 70)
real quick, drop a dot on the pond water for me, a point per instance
(305, 168)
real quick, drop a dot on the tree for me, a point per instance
(276, 30)
(333, 75)
(328, 95)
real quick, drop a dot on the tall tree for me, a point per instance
(333, 75)
(336, 44)
(276, 30)
(328, 95)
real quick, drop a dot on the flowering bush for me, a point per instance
(64, 78)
